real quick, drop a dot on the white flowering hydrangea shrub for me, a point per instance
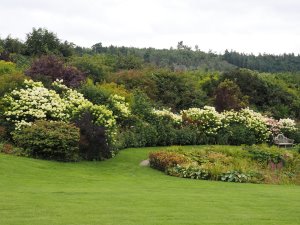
(252, 120)
(272, 125)
(167, 114)
(207, 120)
(34, 102)
(119, 106)
(75, 101)
(287, 124)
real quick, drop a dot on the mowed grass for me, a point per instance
(119, 191)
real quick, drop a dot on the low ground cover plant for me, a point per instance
(251, 164)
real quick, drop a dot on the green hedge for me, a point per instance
(49, 140)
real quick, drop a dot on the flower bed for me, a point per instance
(252, 164)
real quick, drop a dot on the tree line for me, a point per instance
(40, 41)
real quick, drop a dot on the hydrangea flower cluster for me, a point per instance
(252, 120)
(281, 126)
(166, 113)
(75, 101)
(34, 102)
(272, 125)
(119, 106)
(103, 116)
(208, 120)
(287, 125)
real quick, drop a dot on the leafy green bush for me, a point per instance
(274, 156)
(160, 133)
(96, 66)
(7, 68)
(229, 96)
(49, 140)
(295, 136)
(166, 133)
(138, 134)
(239, 134)
(135, 79)
(293, 133)
(10, 77)
(146, 128)
(298, 148)
(170, 89)
(187, 136)
(99, 93)
(142, 106)
(21, 61)
(203, 174)
(9, 82)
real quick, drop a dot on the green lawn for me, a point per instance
(119, 191)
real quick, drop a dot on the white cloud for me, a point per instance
(243, 25)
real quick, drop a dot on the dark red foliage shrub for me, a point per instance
(50, 68)
(7, 149)
(162, 160)
(93, 144)
(3, 133)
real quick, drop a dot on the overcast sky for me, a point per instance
(250, 26)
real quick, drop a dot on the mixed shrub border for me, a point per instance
(119, 123)
(198, 126)
(248, 164)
